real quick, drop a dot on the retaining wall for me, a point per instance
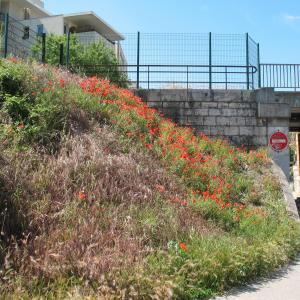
(247, 118)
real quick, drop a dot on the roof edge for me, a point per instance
(100, 19)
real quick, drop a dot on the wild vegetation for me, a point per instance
(103, 197)
(93, 59)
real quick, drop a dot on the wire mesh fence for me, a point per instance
(212, 60)
(18, 38)
(155, 60)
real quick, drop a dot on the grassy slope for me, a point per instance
(101, 196)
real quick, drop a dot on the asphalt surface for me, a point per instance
(283, 285)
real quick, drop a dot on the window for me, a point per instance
(26, 33)
(26, 13)
(40, 29)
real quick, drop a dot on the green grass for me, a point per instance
(94, 204)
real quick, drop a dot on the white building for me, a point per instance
(89, 27)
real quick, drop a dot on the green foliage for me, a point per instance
(95, 59)
(39, 194)
(53, 49)
(15, 79)
(98, 60)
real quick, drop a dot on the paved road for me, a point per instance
(284, 285)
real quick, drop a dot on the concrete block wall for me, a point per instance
(226, 114)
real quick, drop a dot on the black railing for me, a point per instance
(280, 76)
(180, 76)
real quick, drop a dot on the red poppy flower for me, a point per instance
(183, 247)
(81, 195)
(160, 188)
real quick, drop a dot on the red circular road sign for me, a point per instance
(279, 141)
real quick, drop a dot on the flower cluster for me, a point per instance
(209, 167)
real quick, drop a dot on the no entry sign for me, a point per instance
(279, 141)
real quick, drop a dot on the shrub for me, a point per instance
(95, 59)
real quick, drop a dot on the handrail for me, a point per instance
(280, 76)
(189, 75)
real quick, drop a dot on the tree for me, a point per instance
(95, 59)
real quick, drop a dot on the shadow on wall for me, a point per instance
(298, 205)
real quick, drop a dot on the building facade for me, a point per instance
(31, 19)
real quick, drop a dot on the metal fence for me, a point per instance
(165, 60)
(17, 38)
(195, 60)
(280, 76)
(157, 60)
(183, 76)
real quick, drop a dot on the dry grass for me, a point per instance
(127, 210)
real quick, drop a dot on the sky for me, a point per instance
(275, 24)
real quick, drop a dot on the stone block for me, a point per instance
(172, 112)
(231, 130)
(246, 130)
(250, 121)
(274, 110)
(224, 121)
(173, 104)
(278, 122)
(260, 131)
(261, 121)
(237, 121)
(155, 104)
(240, 140)
(199, 95)
(201, 112)
(247, 96)
(223, 105)
(189, 112)
(195, 120)
(246, 112)
(229, 112)
(260, 141)
(193, 104)
(217, 130)
(214, 112)
(227, 95)
(173, 95)
(239, 105)
(209, 105)
(265, 95)
(209, 121)
(149, 95)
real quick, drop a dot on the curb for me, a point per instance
(287, 192)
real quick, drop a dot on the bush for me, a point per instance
(95, 59)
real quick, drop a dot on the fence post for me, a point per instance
(247, 60)
(138, 62)
(61, 54)
(44, 48)
(6, 24)
(210, 62)
(187, 79)
(68, 49)
(258, 66)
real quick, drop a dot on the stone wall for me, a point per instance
(232, 115)
(247, 118)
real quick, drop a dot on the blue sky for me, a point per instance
(275, 24)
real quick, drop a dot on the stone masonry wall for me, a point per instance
(232, 115)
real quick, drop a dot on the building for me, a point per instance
(30, 18)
